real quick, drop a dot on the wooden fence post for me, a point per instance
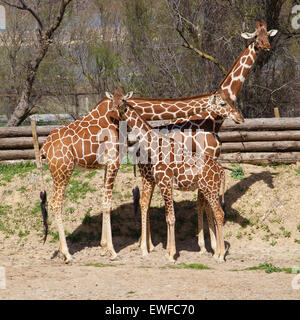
(276, 113)
(35, 143)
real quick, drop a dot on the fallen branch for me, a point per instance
(270, 211)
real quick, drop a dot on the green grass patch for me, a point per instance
(237, 173)
(78, 189)
(70, 210)
(8, 171)
(76, 173)
(270, 268)
(22, 234)
(197, 266)
(99, 265)
(87, 217)
(91, 174)
(55, 236)
(36, 208)
(4, 210)
(22, 189)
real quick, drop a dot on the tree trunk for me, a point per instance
(24, 107)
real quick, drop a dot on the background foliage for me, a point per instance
(135, 44)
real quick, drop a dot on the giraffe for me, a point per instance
(202, 134)
(78, 144)
(173, 166)
(93, 141)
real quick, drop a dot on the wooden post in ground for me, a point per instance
(276, 113)
(35, 143)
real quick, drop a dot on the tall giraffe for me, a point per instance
(174, 166)
(202, 134)
(77, 145)
(93, 141)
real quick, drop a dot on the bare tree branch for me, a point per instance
(24, 106)
(25, 7)
(183, 23)
(201, 53)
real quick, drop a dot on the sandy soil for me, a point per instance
(36, 271)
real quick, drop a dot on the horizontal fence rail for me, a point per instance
(256, 141)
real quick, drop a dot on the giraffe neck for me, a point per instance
(233, 81)
(171, 109)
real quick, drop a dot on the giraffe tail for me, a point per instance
(43, 196)
(136, 200)
(223, 190)
(136, 196)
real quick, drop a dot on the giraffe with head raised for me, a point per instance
(93, 141)
(80, 144)
(202, 134)
(173, 166)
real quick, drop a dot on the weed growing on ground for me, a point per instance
(87, 217)
(269, 268)
(8, 171)
(99, 265)
(237, 173)
(297, 170)
(78, 189)
(91, 174)
(197, 266)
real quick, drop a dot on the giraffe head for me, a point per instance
(118, 100)
(221, 105)
(261, 35)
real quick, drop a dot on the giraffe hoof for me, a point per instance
(68, 260)
(114, 257)
(170, 258)
(103, 251)
(219, 259)
(145, 254)
(203, 251)
(151, 248)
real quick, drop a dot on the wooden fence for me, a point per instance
(256, 141)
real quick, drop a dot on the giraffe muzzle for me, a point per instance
(238, 118)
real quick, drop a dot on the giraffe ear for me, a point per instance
(248, 35)
(272, 33)
(128, 95)
(109, 95)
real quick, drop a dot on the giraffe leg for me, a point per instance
(211, 226)
(147, 192)
(200, 209)
(219, 219)
(166, 191)
(60, 184)
(106, 236)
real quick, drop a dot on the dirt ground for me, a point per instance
(270, 247)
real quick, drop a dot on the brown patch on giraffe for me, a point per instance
(249, 61)
(236, 86)
(227, 82)
(237, 73)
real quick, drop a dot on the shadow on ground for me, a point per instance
(126, 225)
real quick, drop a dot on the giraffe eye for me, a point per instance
(223, 104)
